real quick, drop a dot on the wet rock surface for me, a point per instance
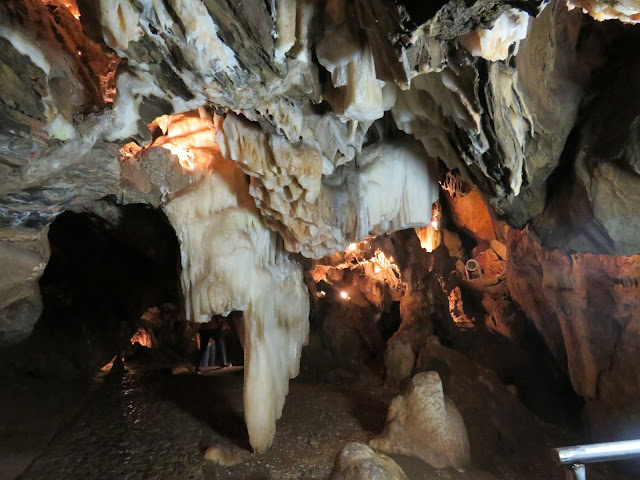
(32, 413)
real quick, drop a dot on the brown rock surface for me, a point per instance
(470, 213)
(503, 434)
(586, 307)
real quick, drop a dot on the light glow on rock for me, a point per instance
(186, 158)
(190, 137)
(627, 11)
(71, 5)
(142, 337)
(231, 261)
(493, 44)
(429, 237)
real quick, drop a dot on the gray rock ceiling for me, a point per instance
(545, 128)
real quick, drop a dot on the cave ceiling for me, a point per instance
(511, 94)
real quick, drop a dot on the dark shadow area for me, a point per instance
(109, 264)
(370, 411)
(217, 401)
(390, 321)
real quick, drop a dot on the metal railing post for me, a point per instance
(575, 457)
(577, 472)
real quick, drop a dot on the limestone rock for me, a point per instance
(500, 249)
(426, 424)
(357, 93)
(399, 360)
(416, 308)
(226, 455)
(627, 11)
(585, 306)
(351, 327)
(470, 213)
(23, 256)
(492, 266)
(429, 237)
(503, 433)
(232, 262)
(312, 95)
(53, 76)
(356, 461)
(151, 177)
(392, 187)
(494, 43)
(453, 243)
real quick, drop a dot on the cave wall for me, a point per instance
(586, 307)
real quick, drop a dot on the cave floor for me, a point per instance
(157, 426)
(133, 426)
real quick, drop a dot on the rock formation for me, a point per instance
(24, 255)
(425, 423)
(356, 461)
(586, 307)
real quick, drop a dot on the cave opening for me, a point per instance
(111, 290)
(109, 265)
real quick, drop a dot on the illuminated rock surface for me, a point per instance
(585, 306)
(231, 261)
(627, 11)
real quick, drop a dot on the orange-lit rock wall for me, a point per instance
(586, 307)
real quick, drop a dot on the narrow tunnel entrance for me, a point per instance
(109, 265)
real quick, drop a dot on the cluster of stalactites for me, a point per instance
(391, 185)
(232, 262)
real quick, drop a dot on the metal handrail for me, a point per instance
(578, 455)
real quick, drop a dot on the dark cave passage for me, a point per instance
(107, 268)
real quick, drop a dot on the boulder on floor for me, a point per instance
(356, 461)
(503, 434)
(226, 455)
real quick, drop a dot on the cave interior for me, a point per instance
(305, 239)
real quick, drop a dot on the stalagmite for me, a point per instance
(332, 120)
(425, 423)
